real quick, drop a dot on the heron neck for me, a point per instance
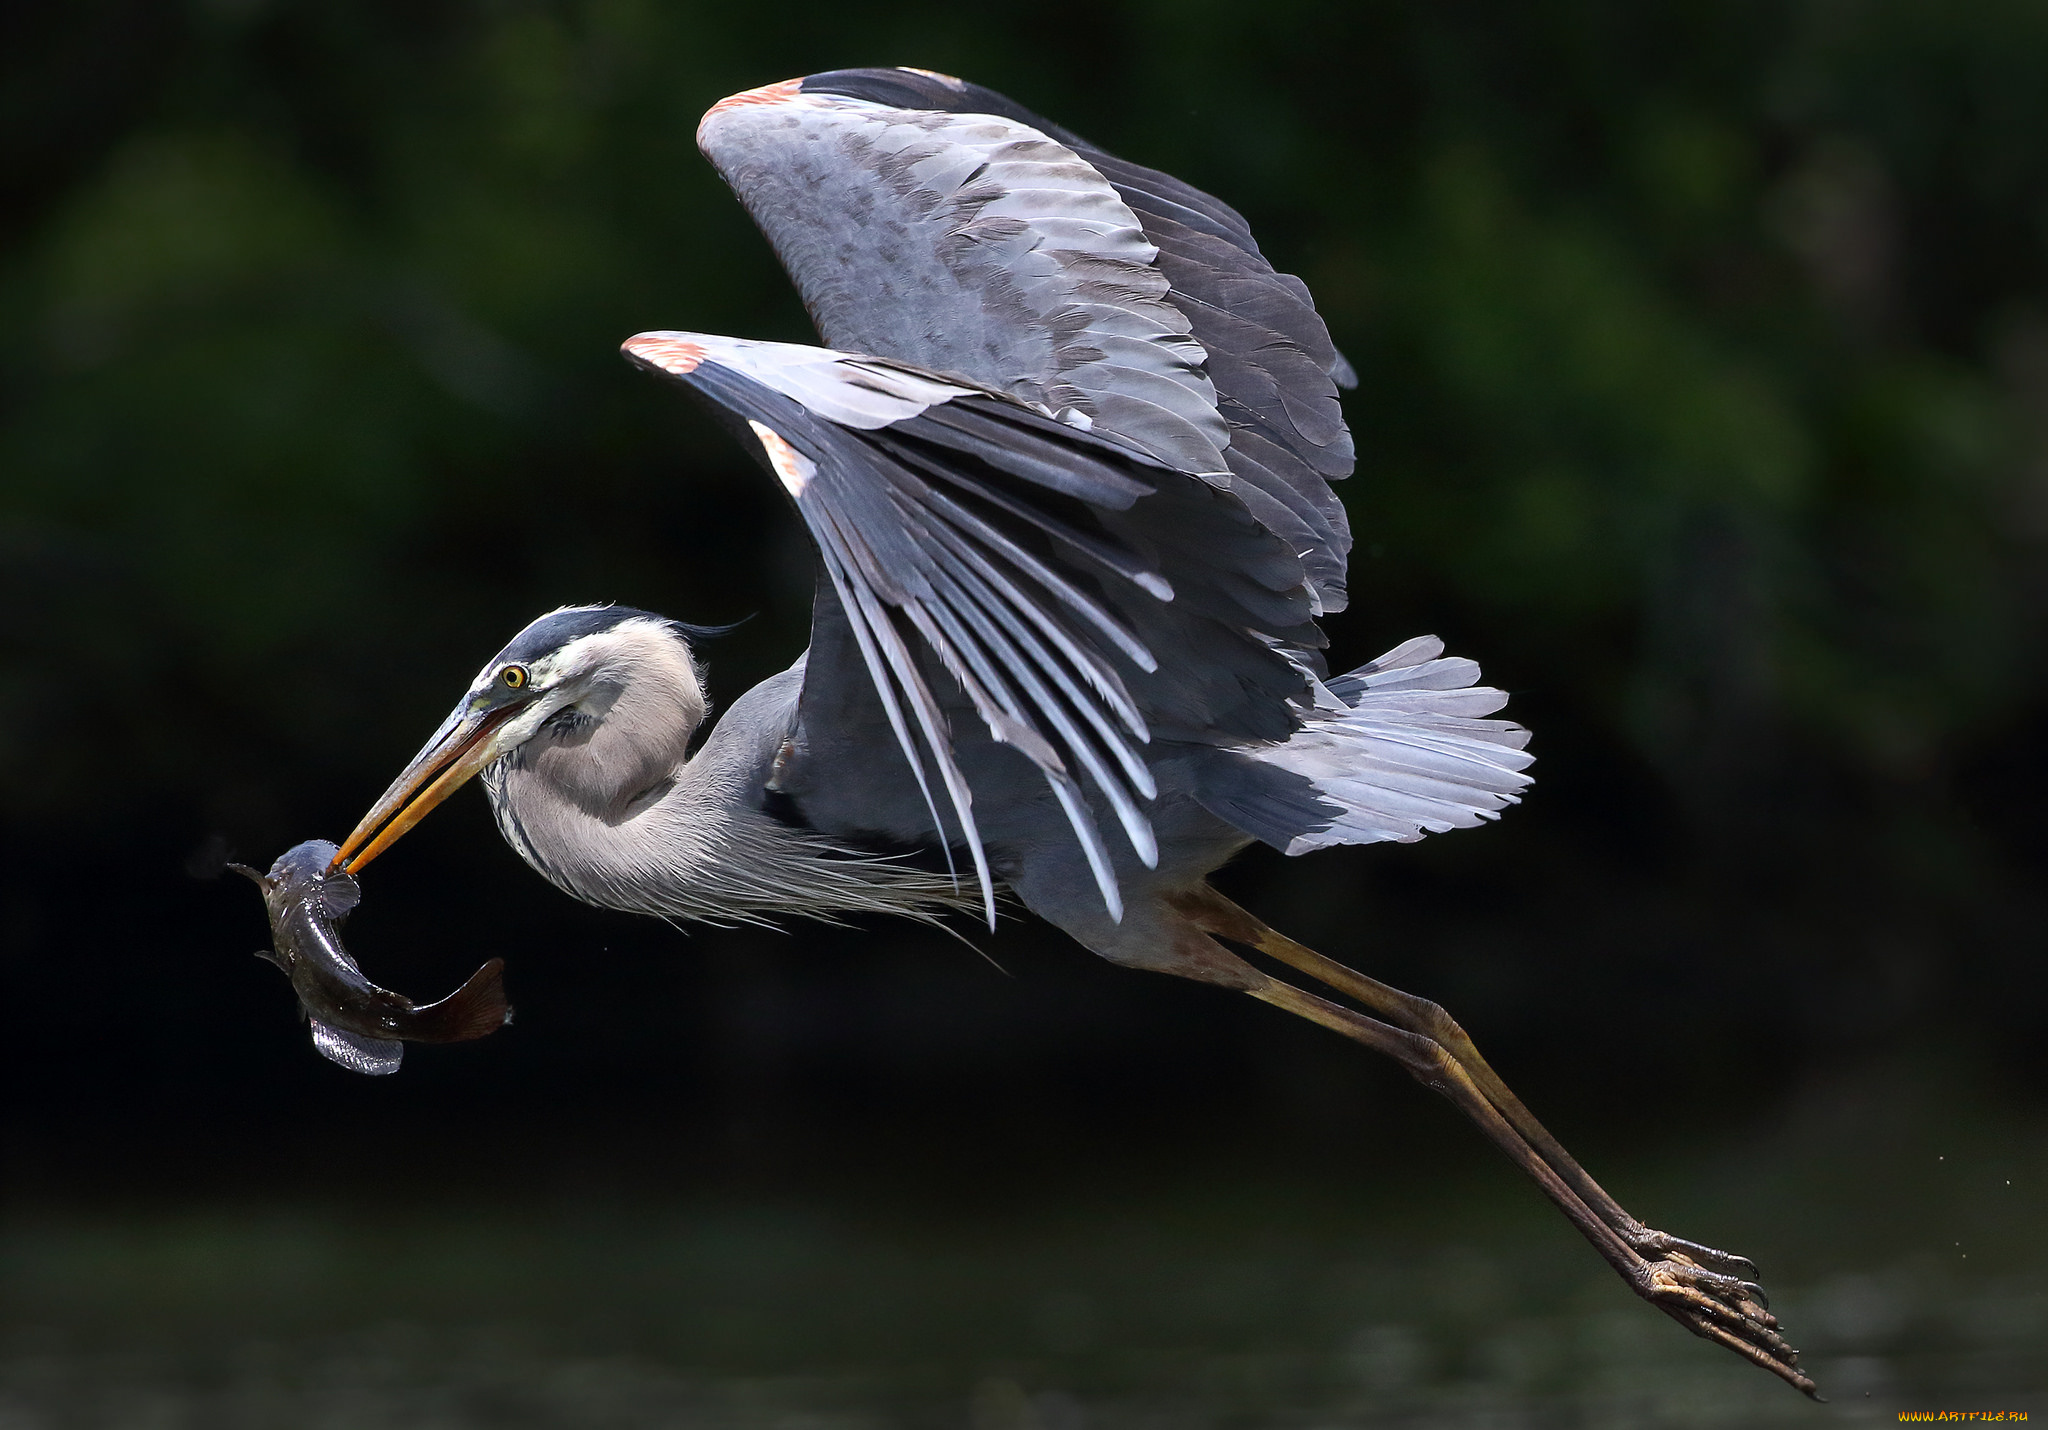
(690, 839)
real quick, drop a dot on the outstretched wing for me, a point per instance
(1081, 594)
(938, 223)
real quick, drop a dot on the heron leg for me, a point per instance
(1213, 913)
(1712, 1293)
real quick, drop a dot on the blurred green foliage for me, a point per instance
(1705, 393)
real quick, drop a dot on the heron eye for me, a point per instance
(514, 677)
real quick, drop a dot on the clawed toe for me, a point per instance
(1745, 1294)
(1650, 1244)
(1723, 1308)
(1739, 1318)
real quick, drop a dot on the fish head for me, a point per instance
(300, 874)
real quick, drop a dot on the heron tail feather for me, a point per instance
(1396, 749)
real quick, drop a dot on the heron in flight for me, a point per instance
(1066, 458)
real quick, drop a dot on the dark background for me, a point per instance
(1704, 399)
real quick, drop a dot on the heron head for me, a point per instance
(579, 659)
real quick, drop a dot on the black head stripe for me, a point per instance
(551, 632)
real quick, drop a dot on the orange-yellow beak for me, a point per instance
(459, 749)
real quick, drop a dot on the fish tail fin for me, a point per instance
(475, 1010)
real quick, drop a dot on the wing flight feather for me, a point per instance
(1022, 557)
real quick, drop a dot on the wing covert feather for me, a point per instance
(1269, 357)
(971, 244)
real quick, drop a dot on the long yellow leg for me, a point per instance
(1712, 1293)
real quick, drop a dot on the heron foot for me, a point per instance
(1730, 1310)
(1715, 1295)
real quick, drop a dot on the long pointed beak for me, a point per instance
(458, 750)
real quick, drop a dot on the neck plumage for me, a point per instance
(607, 802)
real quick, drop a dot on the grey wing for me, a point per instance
(1072, 592)
(1288, 438)
(972, 244)
(1272, 370)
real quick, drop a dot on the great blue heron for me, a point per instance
(1066, 461)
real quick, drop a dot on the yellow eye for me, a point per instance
(514, 677)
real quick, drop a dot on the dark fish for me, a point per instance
(355, 1023)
